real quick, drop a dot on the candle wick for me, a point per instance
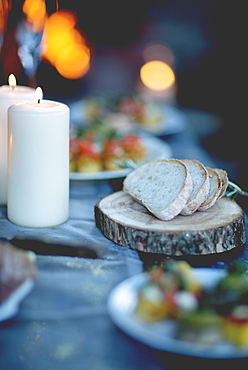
(13, 87)
(38, 101)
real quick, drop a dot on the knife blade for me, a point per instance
(49, 248)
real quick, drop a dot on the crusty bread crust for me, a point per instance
(215, 195)
(224, 181)
(180, 200)
(193, 204)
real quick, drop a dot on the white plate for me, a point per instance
(173, 121)
(156, 148)
(161, 335)
(10, 307)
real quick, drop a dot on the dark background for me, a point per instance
(208, 39)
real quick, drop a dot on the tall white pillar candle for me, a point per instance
(9, 95)
(38, 173)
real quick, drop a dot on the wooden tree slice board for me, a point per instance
(128, 223)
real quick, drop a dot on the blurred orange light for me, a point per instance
(35, 11)
(62, 19)
(73, 63)
(4, 8)
(64, 45)
(157, 75)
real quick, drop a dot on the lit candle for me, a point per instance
(38, 173)
(9, 94)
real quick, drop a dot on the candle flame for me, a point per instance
(39, 94)
(12, 80)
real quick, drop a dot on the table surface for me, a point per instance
(64, 323)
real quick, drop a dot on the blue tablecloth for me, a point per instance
(63, 323)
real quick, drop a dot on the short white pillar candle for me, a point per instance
(38, 172)
(9, 94)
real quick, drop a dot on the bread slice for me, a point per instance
(214, 189)
(224, 181)
(200, 178)
(162, 186)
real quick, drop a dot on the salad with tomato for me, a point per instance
(102, 148)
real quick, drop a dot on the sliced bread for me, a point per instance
(214, 189)
(162, 186)
(224, 181)
(200, 178)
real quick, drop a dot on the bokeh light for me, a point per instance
(4, 8)
(64, 45)
(36, 14)
(157, 75)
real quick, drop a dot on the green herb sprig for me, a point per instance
(127, 164)
(233, 190)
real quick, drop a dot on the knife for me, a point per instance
(55, 249)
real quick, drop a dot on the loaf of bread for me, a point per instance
(169, 187)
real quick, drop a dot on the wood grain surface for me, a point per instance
(128, 223)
